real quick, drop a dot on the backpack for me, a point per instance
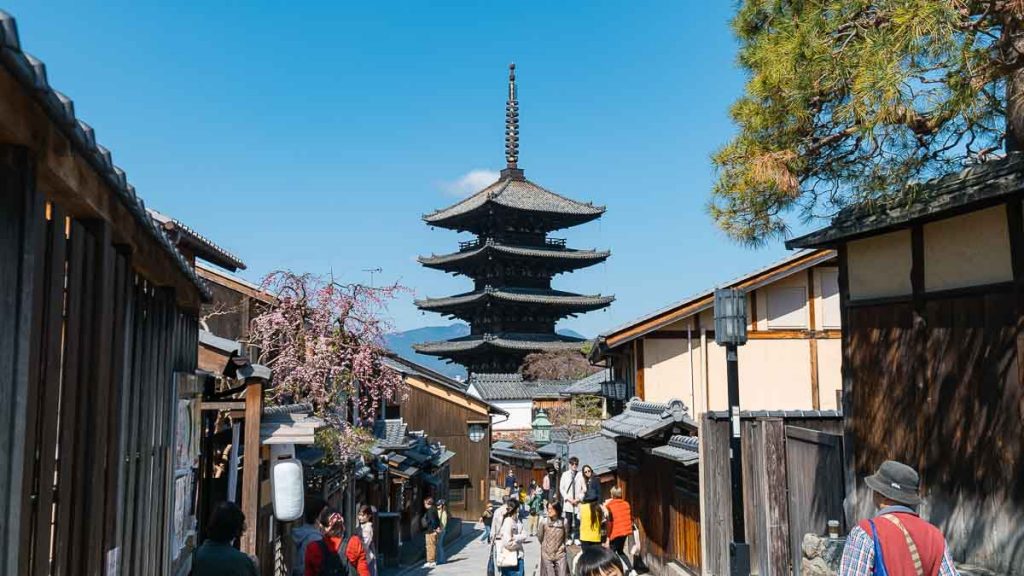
(336, 564)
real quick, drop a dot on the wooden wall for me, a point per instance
(665, 506)
(936, 382)
(446, 422)
(792, 485)
(100, 347)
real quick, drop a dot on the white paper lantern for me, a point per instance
(286, 483)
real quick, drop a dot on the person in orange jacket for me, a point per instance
(323, 557)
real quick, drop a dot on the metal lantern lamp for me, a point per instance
(731, 332)
(541, 428)
(477, 432)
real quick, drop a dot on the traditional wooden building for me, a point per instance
(98, 332)
(512, 309)
(791, 361)
(931, 288)
(447, 413)
(660, 437)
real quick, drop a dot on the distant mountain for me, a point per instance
(401, 343)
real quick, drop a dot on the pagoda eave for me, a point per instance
(553, 260)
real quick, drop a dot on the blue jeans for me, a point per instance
(487, 533)
(440, 549)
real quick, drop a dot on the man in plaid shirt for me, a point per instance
(909, 545)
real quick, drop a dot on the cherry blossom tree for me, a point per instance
(324, 342)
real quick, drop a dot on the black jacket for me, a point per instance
(431, 521)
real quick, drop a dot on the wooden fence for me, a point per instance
(792, 485)
(88, 351)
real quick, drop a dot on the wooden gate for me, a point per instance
(814, 478)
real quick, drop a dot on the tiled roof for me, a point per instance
(805, 414)
(289, 424)
(682, 449)
(596, 450)
(507, 341)
(490, 247)
(982, 182)
(31, 73)
(590, 384)
(567, 300)
(513, 387)
(225, 345)
(518, 194)
(408, 367)
(390, 433)
(642, 419)
(209, 250)
(504, 448)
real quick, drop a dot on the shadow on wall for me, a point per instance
(941, 389)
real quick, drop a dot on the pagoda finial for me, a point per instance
(512, 128)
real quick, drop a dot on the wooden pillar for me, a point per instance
(251, 463)
(812, 326)
(639, 359)
(22, 225)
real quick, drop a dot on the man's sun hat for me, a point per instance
(896, 481)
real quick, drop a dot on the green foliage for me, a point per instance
(849, 100)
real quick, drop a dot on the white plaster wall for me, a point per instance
(830, 377)
(968, 250)
(667, 370)
(519, 414)
(880, 265)
(774, 375)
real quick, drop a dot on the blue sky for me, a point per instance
(313, 136)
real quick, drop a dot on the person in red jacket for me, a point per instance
(318, 560)
(908, 544)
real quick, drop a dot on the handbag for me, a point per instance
(508, 553)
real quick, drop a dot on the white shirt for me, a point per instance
(571, 487)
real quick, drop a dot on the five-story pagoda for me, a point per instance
(512, 309)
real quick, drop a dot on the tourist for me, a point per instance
(366, 515)
(547, 483)
(324, 556)
(593, 491)
(551, 535)
(431, 524)
(572, 488)
(908, 544)
(306, 532)
(485, 520)
(216, 556)
(592, 515)
(535, 504)
(510, 483)
(597, 562)
(508, 554)
(442, 516)
(620, 526)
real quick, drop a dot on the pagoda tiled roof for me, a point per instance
(517, 194)
(520, 296)
(491, 247)
(506, 341)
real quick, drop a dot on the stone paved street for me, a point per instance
(467, 556)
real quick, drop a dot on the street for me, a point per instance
(466, 557)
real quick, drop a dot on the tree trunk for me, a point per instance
(1014, 53)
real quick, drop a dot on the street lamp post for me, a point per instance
(731, 332)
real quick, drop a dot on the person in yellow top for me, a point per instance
(592, 518)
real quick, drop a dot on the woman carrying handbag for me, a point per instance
(508, 549)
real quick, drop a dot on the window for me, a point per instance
(786, 307)
(830, 299)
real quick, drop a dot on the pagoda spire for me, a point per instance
(512, 169)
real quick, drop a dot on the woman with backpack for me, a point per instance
(335, 555)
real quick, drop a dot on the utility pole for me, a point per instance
(373, 271)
